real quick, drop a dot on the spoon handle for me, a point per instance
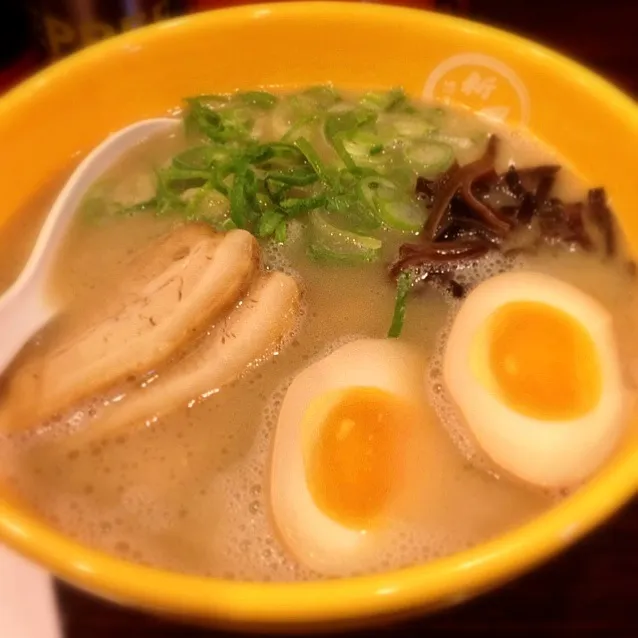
(28, 608)
(24, 308)
(23, 311)
(92, 167)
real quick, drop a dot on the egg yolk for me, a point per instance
(355, 461)
(544, 362)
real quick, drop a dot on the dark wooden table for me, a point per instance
(593, 588)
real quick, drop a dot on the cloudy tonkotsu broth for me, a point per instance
(189, 490)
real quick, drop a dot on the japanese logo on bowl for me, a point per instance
(482, 83)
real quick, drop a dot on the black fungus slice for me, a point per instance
(472, 209)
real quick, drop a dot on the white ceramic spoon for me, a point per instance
(25, 307)
(28, 608)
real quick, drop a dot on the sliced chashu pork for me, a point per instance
(178, 287)
(252, 332)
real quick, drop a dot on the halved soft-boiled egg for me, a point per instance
(532, 364)
(349, 454)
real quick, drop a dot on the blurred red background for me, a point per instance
(34, 32)
(601, 34)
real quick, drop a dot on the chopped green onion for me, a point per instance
(250, 189)
(259, 99)
(276, 190)
(296, 206)
(314, 160)
(224, 125)
(275, 154)
(394, 208)
(385, 101)
(311, 101)
(335, 244)
(301, 128)
(355, 213)
(364, 146)
(294, 177)
(206, 204)
(173, 181)
(405, 281)
(264, 202)
(346, 169)
(166, 198)
(408, 126)
(201, 157)
(339, 125)
(269, 223)
(430, 158)
(281, 232)
(321, 96)
(241, 194)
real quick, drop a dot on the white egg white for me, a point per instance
(547, 453)
(316, 540)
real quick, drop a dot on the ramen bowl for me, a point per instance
(68, 108)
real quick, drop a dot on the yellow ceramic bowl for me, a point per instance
(68, 108)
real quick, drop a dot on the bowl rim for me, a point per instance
(264, 605)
